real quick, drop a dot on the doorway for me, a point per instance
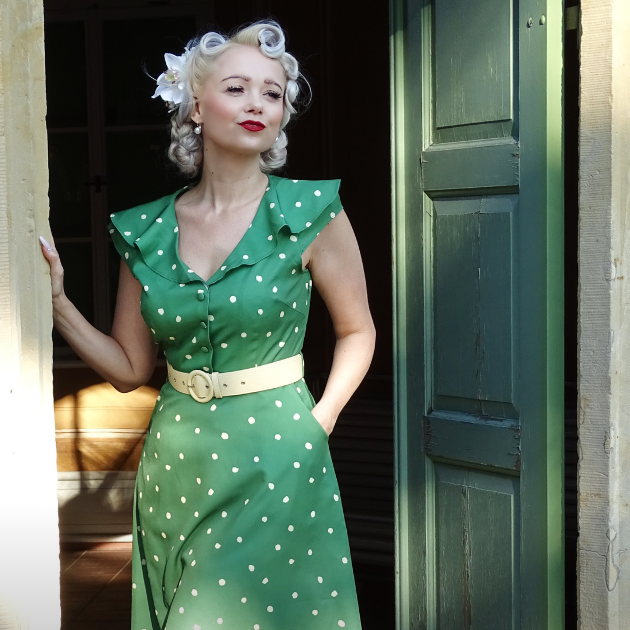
(107, 152)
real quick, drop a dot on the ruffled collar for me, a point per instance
(153, 229)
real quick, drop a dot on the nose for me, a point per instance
(255, 104)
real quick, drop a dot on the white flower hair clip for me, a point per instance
(172, 84)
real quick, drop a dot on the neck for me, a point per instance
(228, 180)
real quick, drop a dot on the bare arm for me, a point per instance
(334, 261)
(126, 358)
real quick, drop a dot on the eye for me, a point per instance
(235, 89)
(274, 95)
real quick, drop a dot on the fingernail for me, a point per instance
(45, 242)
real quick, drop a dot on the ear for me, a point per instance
(195, 114)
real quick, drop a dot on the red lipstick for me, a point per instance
(252, 125)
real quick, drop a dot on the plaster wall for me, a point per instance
(604, 317)
(29, 540)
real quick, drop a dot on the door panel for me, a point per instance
(478, 325)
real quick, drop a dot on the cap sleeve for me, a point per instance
(308, 206)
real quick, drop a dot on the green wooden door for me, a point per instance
(478, 282)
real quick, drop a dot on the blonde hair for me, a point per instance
(186, 149)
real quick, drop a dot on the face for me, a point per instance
(241, 105)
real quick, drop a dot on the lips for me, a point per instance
(252, 125)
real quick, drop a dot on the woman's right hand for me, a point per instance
(56, 270)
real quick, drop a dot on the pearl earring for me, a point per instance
(197, 129)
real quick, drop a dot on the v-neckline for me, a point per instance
(223, 265)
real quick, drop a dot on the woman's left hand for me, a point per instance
(324, 416)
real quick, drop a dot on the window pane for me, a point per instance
(66, 87)
(76, 259)
(68, 189)
(128, 47)
(138, 169)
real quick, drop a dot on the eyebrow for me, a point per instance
(239, 76)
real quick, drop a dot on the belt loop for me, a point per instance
(216, 385)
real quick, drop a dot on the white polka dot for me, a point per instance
(313, 514)
(341, 623)
(178, 418)
(251, 420)
(197, 430)
(293, 237)
(270, 608)
(167, 467)
(251, 567)
(223, 267)
(264, 519)
(296, 416)
(189, 356)
(260, 311)
(178, 318)
(256, 626)
(275, 289)
(336, 497)
(222, 582)
(210, 492)
(283, 256)
(160, 252)
(144, 216)
(298, 204)
(234, 469)
(278, 403)
(271, 486)
(278, 436)
(269, 334)
(318, 193)
(181, 456)
(334, 593)
(213, 407)
(281, 313)
(161, 311)
(182, 537)
(225, 436)
(308, 224)
(211, 318)
(315, 612)
(269, 237)
(265, 580)
(156, 558)
(168, 515)
(159, 219)
(183, 499)
(291, 560)
(256, 458)
(224, 345)
(224, 514)
(320, 579)
(243, 334)
(296, 464)
(309, 446)
(294, 595)
(259, 278)
(196, 627)
(194, 592)
(243, 599)
(332, 214)
(127, 255)
(217, 545)
(173, 266)
(157, 489)
(330, 530)
(272, 205)
(245, 256)
(344, 560)
(232, 299)
(285, 500)
(291, 528)
(281, 344)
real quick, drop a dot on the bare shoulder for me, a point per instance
(335, 238)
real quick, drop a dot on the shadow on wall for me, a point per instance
(100, 433)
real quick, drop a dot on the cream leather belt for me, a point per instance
(204, 386)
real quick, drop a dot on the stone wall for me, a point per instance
(604, 317)
(29, 539)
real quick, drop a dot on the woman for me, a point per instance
(237, 517)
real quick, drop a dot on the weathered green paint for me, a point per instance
(478, 284)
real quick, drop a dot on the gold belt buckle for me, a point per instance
(208, 383)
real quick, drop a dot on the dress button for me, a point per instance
(201, 296)
(204, 349)
(203, 324)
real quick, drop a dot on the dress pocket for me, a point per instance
(306, 413)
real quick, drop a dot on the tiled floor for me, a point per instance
(96, 590)
(96, 587)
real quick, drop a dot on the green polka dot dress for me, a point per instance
(238, 521)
